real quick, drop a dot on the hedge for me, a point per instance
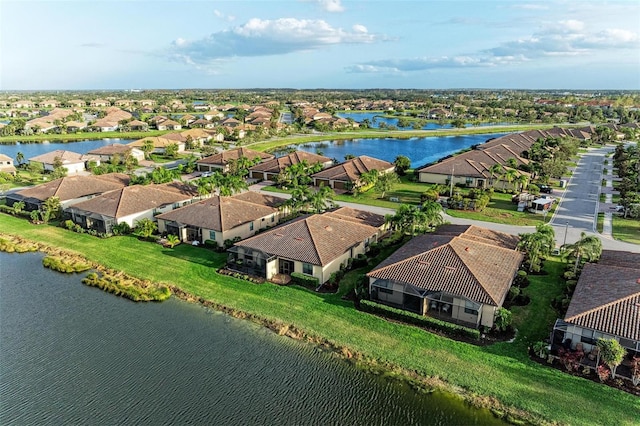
(304, 280)
(419, 320)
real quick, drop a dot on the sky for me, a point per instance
(311, 44)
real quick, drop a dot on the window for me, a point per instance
(212, 235)
(273, 218)
(589, 336)
(471, 307)
(250, 226)
(384, 286)
(307, 268)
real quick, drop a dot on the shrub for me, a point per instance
(121, 229)
(360, 261)
(305, 280)
(210, 244)
(503, 319)
(419, 320)
(541, 349)
(521, 280)
(69, 225)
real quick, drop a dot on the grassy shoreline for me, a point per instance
(75, 137)
(499, 376)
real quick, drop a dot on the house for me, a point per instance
(99, 103)
(361, 217)
(168, 124)
(160, 144)
(76, 103)
(72, 161)
(220, 161)
(315, 245)
(605, 304)
(49, 103)
(105, 125)
(6, 165)
(22, 104)
(128, 205)
(70, 190)
(198, 136)
(203, 123)
(210, 115)
(346, 174)
(460, 273)
(107, 152)
(138, 126)
(75, 126)
(269, 169)
(222, 218)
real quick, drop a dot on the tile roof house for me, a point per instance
(605, 303)
(6, 164)
(128, 205)
(314, 245)
(70, 190)
(220, 161)
(342, 175)
(160, 143)
(72, 161)
(461, 275)
(269, 169)
(472, 168)
(222, 218)
(107, 152)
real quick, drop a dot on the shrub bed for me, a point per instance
(67, 264)
(304, 280)
(125, 286)
(419, 320)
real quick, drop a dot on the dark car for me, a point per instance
(546, 189)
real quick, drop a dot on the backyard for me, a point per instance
(515, 381)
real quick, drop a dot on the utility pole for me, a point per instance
(566, 228)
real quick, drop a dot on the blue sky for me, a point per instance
(305, 44)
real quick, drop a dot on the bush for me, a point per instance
(210, 244)
(121, 229)
(360, 261)
(419, 320)
(305, 280)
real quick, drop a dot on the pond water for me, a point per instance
(71, 354)
(375, 118)
(420, 151)
(33, 149)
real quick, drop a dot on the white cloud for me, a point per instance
(563, 38)
(259, 37)
(331, 5)
(223, 16)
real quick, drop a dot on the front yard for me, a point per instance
(626, 229)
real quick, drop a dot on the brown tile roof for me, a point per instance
(607, 299)
(70, 187)
(258, 198)
(221, 213)
(477, 233)
(176, 137)
(316, 239)
(116, 148)
(277, 164)
(224, 157)
(131, 199)
(158, 142)
(626, 259)
(350, 170)
(66, 157)
(471, 268)
(358, 216)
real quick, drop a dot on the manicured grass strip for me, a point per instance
(501, 372)
(502, 210)
(626, 229)
(73, 137)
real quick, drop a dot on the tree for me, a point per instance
(321, 199)
(587, 249)
(402, 164)
(172, 240)
(385, 182)
(495, 170)
(50, 209)
(369, 178)
(508, 177)
(147, 147)
(537, 245)
(503, 319)
(171, 150)
(432, 211)
(19, 158)
(18, 207)
(611, 353)
(145, 227)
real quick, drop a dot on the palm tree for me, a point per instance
(523, 180)
(50, 208)
(385, 182)
(588, 248)
(147, 148)
(495, 170)
(172, 240)
(19, 158)
(18, 207)
(321, 199)
(509, 176)
(433, 213)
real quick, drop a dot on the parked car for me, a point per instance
(546, 189)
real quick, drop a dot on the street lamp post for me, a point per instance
(566, 228)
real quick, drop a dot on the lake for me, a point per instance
(420, 151)
(72, 354)
(81, 147)
(375, 118)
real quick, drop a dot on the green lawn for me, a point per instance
(626, 229)
(502, 210)
(600, 224)
(71, 137)
(500, 372)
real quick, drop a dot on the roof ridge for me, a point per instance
(119, 203)
(313, 240)
(471, 272)
(406, 260)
